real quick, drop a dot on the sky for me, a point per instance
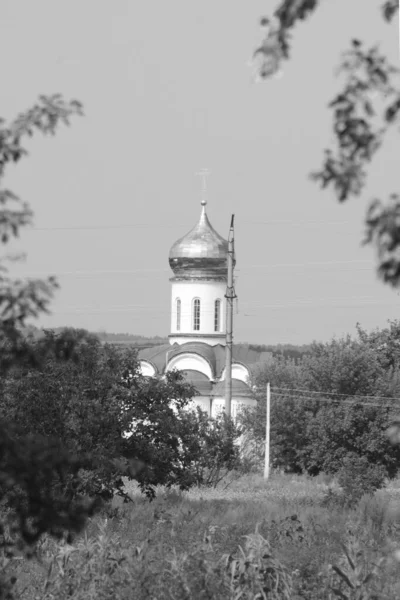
(167, 90)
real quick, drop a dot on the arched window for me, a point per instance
(217, 315)
(178, 314)
(196, 314)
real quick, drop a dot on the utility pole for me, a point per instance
(267, 433)
(230, 296)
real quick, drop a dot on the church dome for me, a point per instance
(200, 254)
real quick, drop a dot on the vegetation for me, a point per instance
(332, 406)
(275, 539)
(365, 109)
(83, 434)
(32, 469)
(76, 416)
(328, 528)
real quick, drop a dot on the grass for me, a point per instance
(249, 536)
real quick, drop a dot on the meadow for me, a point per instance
(288, 537)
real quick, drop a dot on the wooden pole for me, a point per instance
(230, 294)
(267, 433)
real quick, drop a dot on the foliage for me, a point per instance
(364, 110)
(358, 476)
(288, 418)
(256, 573)
(342, 430)
(32, 470)
(178, 546)
(353, 579)
(315, 419)
(99, 405)
(342, 366)
(22, 300)
(209, 449)
(34, 473)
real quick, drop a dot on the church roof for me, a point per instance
(156, 356)
(215, 355)
(239, 388)
(201, 348)
(200, 381)
(201, 253)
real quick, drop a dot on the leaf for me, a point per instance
(343, 575)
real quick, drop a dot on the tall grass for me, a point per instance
(248, 539)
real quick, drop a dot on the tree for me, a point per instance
(339, 430)
(34, 466)
(370, 80)
(101, 408)
(315, 420)
(24, 300)
(342, 366)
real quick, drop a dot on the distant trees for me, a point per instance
(366, 108)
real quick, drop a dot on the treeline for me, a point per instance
(130, 338)
(291, 351)
(286, 350)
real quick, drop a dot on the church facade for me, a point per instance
(197, 340)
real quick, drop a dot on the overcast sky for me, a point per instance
(167, 90)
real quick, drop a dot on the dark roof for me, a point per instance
(239, 388)
(215, 355)
(156, 355)
(200, 381)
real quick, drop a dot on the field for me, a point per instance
(187, 545)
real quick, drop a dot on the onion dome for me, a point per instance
(200, 254)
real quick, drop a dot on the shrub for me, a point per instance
(209, 449)
(358, 477)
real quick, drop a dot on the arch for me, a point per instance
(147, 369)
(188, 361)
(239, 371)
(196, 314)
(178, 305)
(217, 315)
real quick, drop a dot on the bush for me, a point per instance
(358, 477)
(209, 449)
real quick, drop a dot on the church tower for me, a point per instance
(197, 341)
(199, 263)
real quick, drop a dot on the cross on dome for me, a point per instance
(204, 173)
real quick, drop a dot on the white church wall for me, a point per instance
(202, 402)
(218, 405)
(210, 341)
(146, 368)
(207, 292)
(238, 372)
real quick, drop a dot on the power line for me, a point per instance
(175, 224)
(337, 402)
(336, 394)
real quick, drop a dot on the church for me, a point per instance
(197, 342)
